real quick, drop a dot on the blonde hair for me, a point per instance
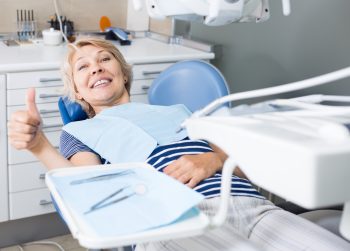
(69, 87)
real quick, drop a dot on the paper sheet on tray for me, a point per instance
(165, 201)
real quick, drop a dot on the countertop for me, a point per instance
(143, 50)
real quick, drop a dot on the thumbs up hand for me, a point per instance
(32, 109)
(24, 129)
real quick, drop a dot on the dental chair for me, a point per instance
(193, 83)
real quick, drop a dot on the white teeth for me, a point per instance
(100, 82)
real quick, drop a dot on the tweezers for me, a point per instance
(101, 204)
(101, 177)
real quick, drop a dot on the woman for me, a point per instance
(97, 76)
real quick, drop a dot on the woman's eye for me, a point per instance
(106, 59)
(81, 67)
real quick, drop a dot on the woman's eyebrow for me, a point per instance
(98, 52)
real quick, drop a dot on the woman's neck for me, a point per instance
(123, 100)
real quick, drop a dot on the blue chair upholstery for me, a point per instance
(194, 83)
(70, 111)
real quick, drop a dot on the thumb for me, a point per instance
(31, 105)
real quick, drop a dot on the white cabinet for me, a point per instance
(27, 193)
(3, 151)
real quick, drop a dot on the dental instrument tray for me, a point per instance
(296, 148)
(107, 206)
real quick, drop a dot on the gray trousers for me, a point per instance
(255, 224)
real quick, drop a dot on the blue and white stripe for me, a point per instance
(163, 155)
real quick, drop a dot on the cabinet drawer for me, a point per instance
(27, 176)
(46, 110)
(147, 71)
(23, 156)
(52, 124)
(43, 95)
(140, 86)
(139, 98)
(30, 203)
(33, 79)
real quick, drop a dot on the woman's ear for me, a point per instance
(125, 78)
(78, 96)
(76, 93)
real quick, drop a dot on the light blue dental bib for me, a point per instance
(130, 132)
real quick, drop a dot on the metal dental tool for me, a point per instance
(139, 189)
(107, 176)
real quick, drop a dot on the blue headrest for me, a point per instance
(70, 111)
(194, 83)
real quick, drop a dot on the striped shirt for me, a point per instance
(163, 155)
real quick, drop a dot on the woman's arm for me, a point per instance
(51, 158)
(192, 169)
(24, 132)
(223, 156)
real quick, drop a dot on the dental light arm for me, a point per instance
(211, 12)
(299, 85)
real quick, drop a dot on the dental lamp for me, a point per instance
(211, 12)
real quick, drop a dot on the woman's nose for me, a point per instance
(97, 69)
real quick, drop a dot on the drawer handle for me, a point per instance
(50, 95)
(145, 87)
(51, 126)
(45, 80)
(150, 72)
(44, 111)
(42, 176)
(45, 202)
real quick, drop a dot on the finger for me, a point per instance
(181, 163)
(192, 182)
(19, 145)
(21, 127)
(184, 178)
(31, 105)
(171, 168)
(178, 172)
(24, 137)
(20, 116)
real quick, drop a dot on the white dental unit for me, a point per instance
(301, 140)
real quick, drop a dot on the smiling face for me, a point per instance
(98, 78)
